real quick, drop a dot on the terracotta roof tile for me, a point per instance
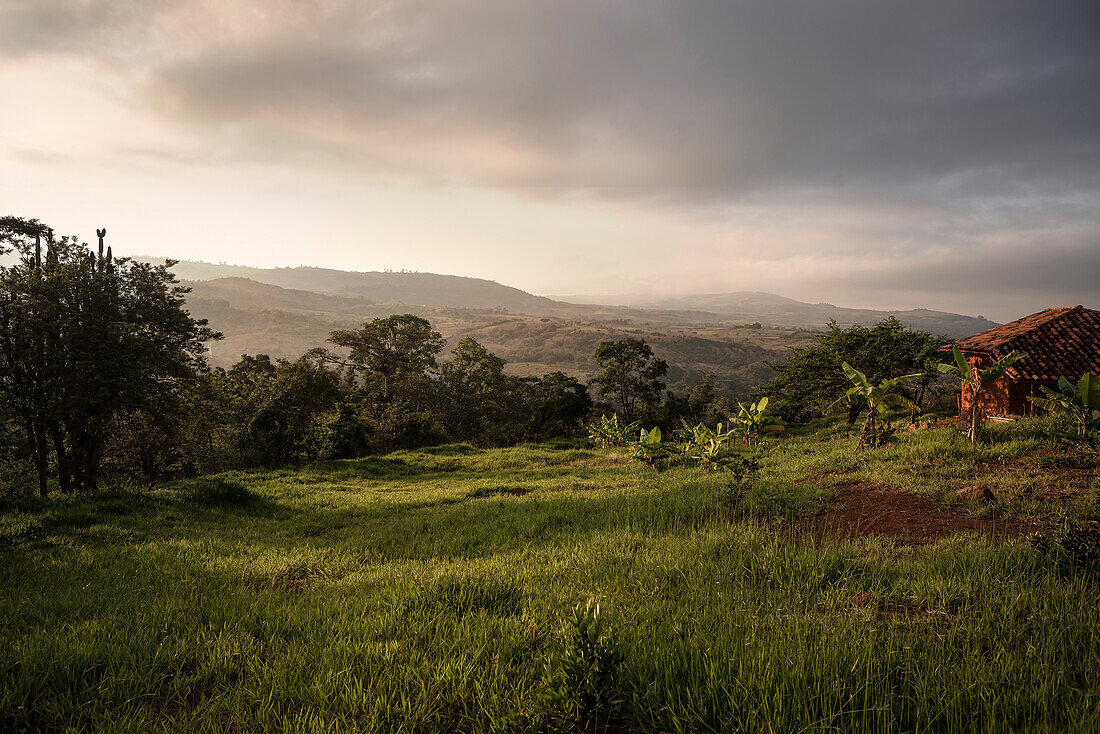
(1059, 342)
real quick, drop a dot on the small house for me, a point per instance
(1059, 342)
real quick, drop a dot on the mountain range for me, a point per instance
(286, 311)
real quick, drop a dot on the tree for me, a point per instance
(392, 348)
(480, 402)
(810, 379)
(287, 424)
(876, 398)
(629, 374)
(557, 404)
(85, 338)
(977, 379)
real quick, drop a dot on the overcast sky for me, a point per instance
(937, 154)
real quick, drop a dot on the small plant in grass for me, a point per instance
(878, 399)
(751, 422)
(1080, 402)
(1073, 546)
(743, 472)
(582, 685)
(708, 447)
(977, 379)
(609, 433)
(649, 448)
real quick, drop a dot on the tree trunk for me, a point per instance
(868, 430)
(63, 475)
(36, 440)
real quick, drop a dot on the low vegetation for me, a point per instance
(456, 589)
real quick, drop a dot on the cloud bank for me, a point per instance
(939, 151)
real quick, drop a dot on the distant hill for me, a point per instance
(424, 289)
(452, 291)
(780, 311)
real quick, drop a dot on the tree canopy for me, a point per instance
(811, 379)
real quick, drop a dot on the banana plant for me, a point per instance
(649, 448)
(1080, 402)
(878, 399)
(977, 379)
(609, 433)
(751, 421)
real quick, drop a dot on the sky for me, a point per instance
(940, 154)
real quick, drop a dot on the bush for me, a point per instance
(17, 479)
(1073, 547)
(583, 684)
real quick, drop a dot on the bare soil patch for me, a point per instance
(869, 509)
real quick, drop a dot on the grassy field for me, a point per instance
(428, 591)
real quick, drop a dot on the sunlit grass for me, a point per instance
(423, 591)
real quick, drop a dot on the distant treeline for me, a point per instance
(103, 371)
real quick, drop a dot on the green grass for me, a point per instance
(424, 591)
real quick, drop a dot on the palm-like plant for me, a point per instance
(609, 433)
(707, 446)
(1080, 402)
(649, 448)
(751, 421)
(878, 399)
(977, 379)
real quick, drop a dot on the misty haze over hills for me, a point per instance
(451, 291)
(284, 312)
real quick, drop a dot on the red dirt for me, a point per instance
(868, 509)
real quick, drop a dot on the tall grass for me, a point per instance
(419, 592)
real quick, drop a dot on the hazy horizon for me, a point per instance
(941, 155)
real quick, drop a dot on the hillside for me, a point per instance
(451, 291)
(286, 311)
(780, 311)
(428, 591)
(256, 317)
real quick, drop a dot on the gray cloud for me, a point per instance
(962, 123)
(692, 100)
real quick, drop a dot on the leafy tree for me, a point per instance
(480, 402)
(393, 348)
(557, 404)
(85, 338)
(976, 380)
(1080, 402)
(287, 424)
(609, 433)
(810, 379)
(348, 433)
(629, 374)
(650, 448)
(877, 399)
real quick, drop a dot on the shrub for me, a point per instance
(584, 682)
(1073, 546)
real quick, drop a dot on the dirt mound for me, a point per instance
(866, 509)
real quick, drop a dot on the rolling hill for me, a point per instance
(452, 291)
(286, 311)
